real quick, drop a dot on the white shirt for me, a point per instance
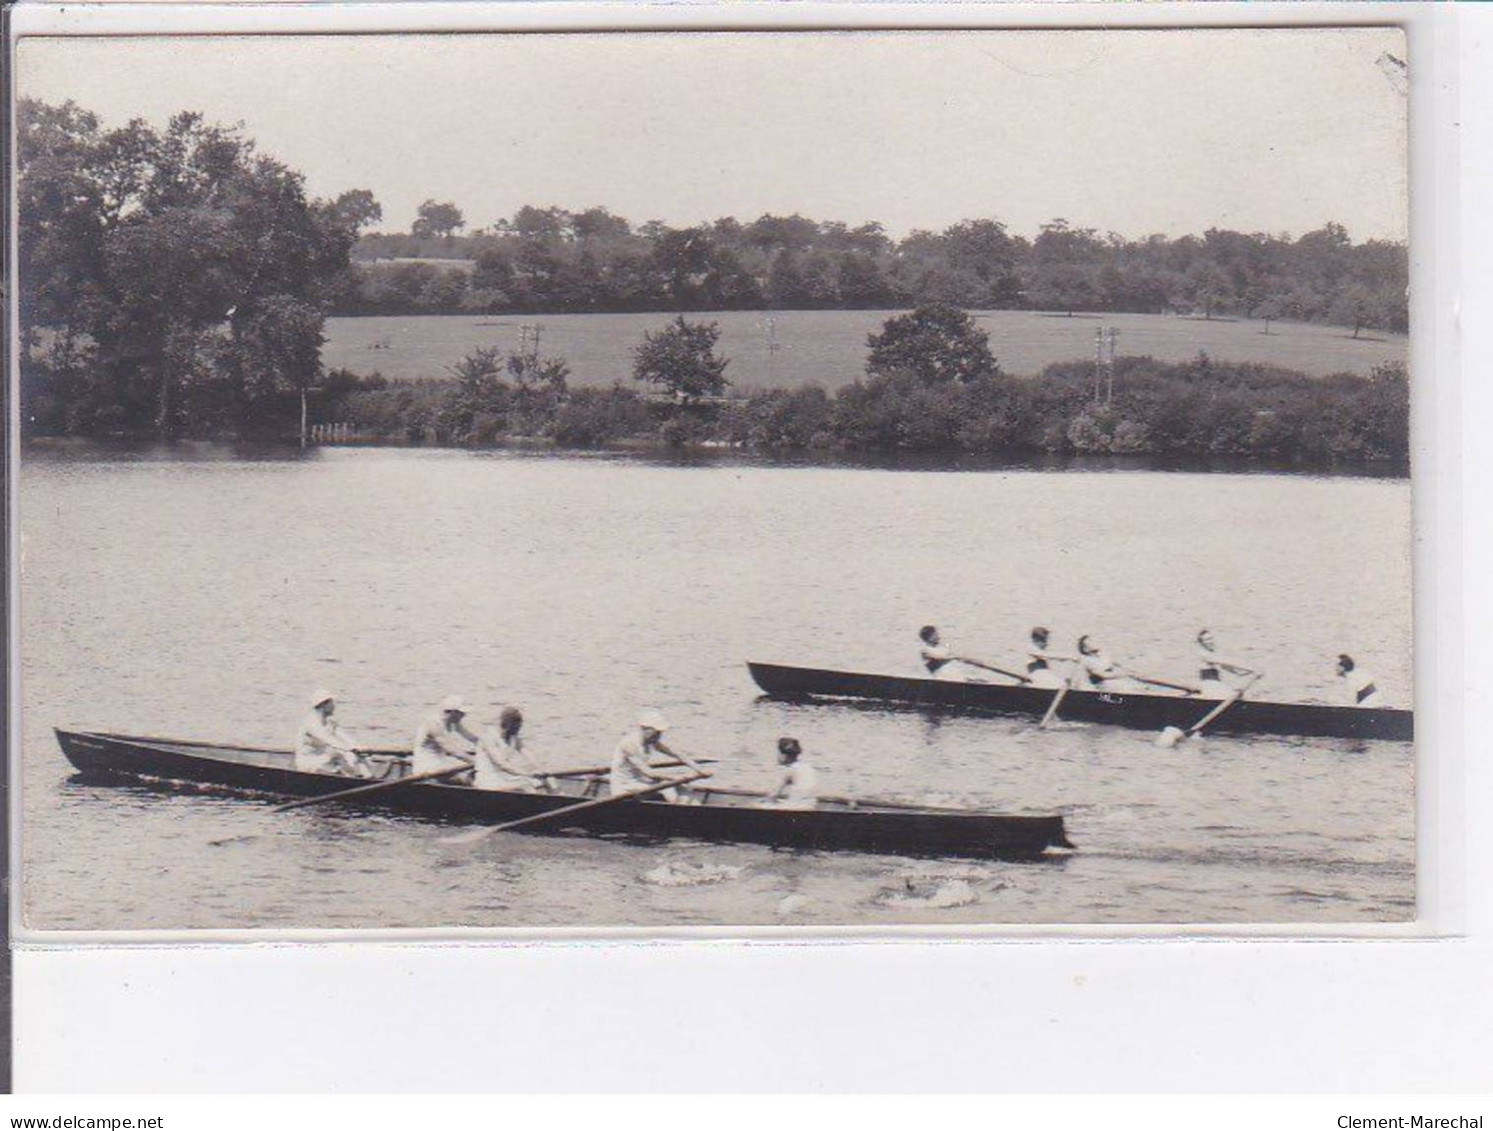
(629, 764)
(502, 764)
(1211, 676)
(939, 662)
(1046, 670)
(321, 747)
(1099, 668)
(436, 748)
(802, 781)
(1362, 690)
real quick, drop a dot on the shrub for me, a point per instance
(595, 416)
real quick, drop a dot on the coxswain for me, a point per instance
(799, 788)
(1216, 676)
(443, 742)
(1361, 687)
(632, 767)
(1039, 664)
(322, 747)
(502, 762)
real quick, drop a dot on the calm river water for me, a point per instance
(198, 595)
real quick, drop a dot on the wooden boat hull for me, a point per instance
(1147, 712)
(722, 815)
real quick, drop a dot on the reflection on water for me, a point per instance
(202, 598)
(196, 451)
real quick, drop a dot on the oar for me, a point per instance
(1170, 736)
(1057, 700)
(357, 790)
(592, 771)
(535, 818)
(429, 775)
(998, 671)
(1163, 683)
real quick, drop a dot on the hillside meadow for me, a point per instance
(828, 347)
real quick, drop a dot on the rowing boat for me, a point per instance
(1126, 709)
(714, 814)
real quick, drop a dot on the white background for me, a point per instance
(1101, 1015)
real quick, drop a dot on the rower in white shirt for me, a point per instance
(501, 760)
(632, 767)
(1219, 678)
(939, 661)
(443, 742)
(1098, 668)
(322, 747)
(1362, 690)
(1042, 666)
(799, 788)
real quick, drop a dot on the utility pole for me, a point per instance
(1109, 394)
(528, 340)
(1098, 364)
(772, 350)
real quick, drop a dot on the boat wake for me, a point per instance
(684, 874)
(935, 894)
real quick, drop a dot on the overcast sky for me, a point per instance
(1134, 131)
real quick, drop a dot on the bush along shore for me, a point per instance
(931, 387)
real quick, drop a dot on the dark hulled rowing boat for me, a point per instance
(1126, 709)
(721, 815)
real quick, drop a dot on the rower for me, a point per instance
(443, 742)
(940, 662)
(799, 788)
(322, 747)
(1039, 662)
(1214, 670)
(1097, 667)
(632, 767)
(936, 658)
(502, 763)
(1361, 686)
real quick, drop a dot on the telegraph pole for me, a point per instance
(528, 340)
(772, 350)
(1109, 394)
(1098, 364)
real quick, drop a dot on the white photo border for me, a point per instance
(94, 1015)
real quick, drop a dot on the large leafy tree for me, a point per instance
(168, 278)
(681, 359)
(437, 219)
(938, 344)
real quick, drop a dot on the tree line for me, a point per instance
(553, 260)
(172, 280)
(175, 281)
(931, 386)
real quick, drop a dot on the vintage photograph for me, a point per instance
(673, 480)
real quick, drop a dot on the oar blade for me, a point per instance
(1170, 737)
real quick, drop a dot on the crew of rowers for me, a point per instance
(1218, 678)
(494, 758)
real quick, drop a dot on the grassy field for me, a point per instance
(829, 347)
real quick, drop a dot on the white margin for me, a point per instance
(1253, 965)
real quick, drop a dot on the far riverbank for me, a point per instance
(144, 450)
